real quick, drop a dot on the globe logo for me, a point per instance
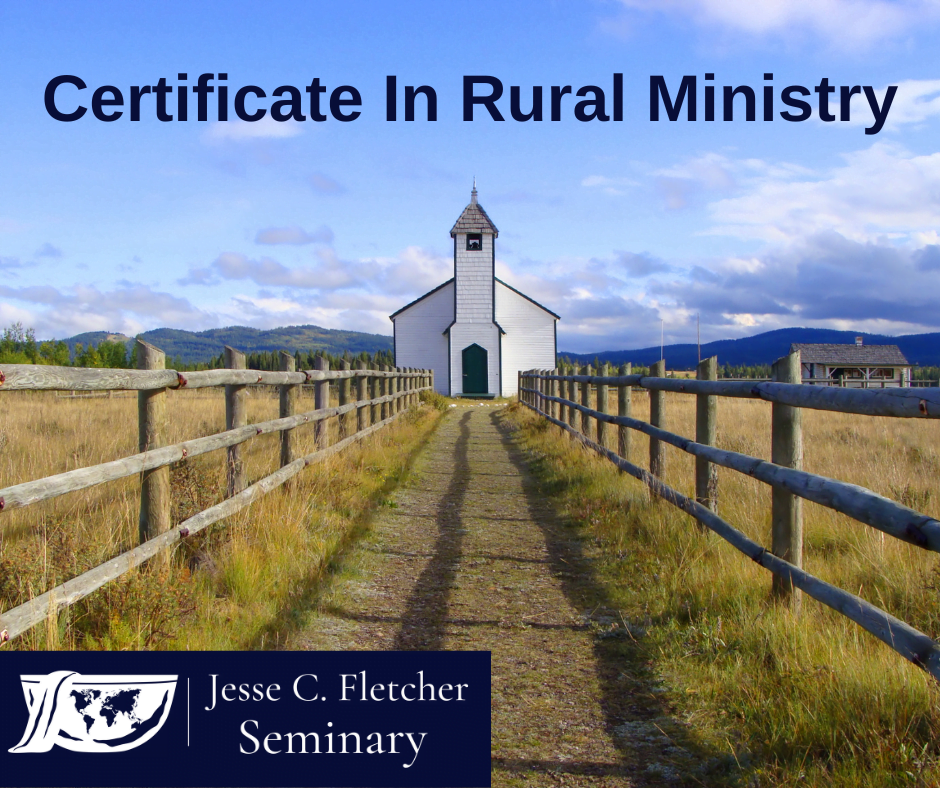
(93, 713)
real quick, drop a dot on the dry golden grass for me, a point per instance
(810, 699)
(233, 586)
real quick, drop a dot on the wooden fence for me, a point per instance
(556, 397)
(369, 399)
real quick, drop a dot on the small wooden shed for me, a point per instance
(858, 366)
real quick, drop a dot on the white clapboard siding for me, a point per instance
(475, 307)
(486, 335)
(419, 335)
(474, 274)
(529, 341)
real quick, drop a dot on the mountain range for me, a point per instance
(195, 347)
(765, 348)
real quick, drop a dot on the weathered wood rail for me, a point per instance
(543, 392)
(378, 399)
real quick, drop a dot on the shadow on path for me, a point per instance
(628, 700)
(424, 621)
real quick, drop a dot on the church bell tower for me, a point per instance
(474, 335)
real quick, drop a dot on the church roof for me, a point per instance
(527, 298)
(421, 298)
(889, 355)
(474, 219)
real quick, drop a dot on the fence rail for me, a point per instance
(378, 399)
(542, 391)
(31, 377)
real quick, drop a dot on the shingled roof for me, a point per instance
(474, 219)
(851, 355)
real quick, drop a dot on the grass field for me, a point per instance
(235, 585)
(807, 700)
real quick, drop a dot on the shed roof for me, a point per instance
(474, 219)
(851, 355)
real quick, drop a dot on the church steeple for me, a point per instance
(474, 218)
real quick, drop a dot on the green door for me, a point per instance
(474, 370)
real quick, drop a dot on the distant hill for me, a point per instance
(195, 347)
(922, 349)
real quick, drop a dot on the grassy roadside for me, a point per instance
(812, 700)
(237, 585)
(269, 570)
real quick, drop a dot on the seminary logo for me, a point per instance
(93, 713)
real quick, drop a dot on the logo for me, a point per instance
(93, 713)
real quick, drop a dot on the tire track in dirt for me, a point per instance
(470, 556)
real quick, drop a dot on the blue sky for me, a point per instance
(127, 226)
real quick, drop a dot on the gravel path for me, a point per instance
(470, 556)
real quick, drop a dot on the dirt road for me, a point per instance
(469, 555)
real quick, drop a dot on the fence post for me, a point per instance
(658, 419)
(586, 402)
(624, 397)
(321, 401)
(152, 434)
(288, 402)
(565, 413)
(361, 396)
(572, 397)
(787, 509)
(602, 393)
(375, 412)
(236, 415)
(383, 391)
(553, 391)
(398, 386)
(345, 396)
(706, 432)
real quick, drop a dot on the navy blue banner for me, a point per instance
(355, 718)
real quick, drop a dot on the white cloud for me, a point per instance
(272, 312)
(916, 101)
(881, 192)
(48, 250)
(412, 272)
(824, 280)
(613, 186)
(241, 131)
(294, 235)
(129, 308)
(323, 184)
(843, 24)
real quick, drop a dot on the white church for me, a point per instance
(475, 331)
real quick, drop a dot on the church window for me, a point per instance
(474, 242)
